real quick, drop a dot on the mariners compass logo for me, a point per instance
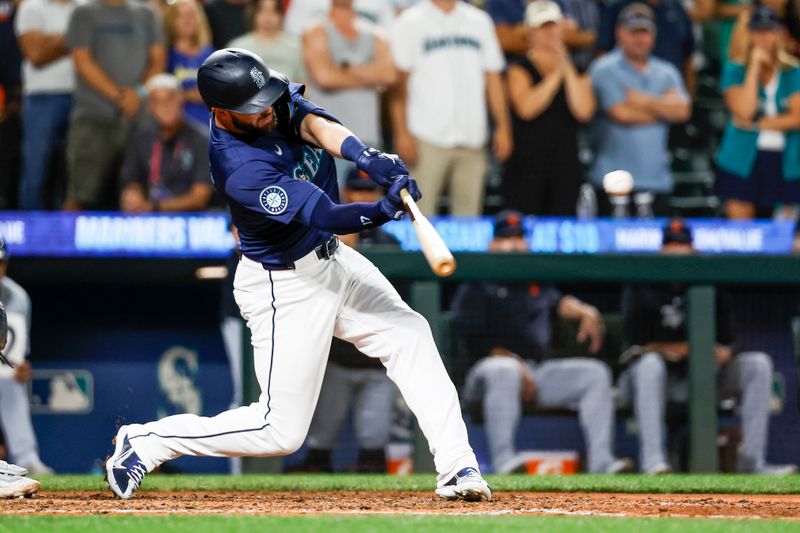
(258, 77)
(274, 200)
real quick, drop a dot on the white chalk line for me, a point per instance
(504, 512)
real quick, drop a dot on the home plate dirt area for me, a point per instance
(389, 502)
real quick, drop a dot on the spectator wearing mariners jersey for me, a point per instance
(348, 62)
(116, 46)
(639, 96)
(506, 329)
(15, 413)
(449, 65)
(655, 323)
(48, 82)
(166, 166)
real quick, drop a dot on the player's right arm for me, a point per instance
(263, 190)
(384, 169)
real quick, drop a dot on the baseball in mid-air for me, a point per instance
(618, 182)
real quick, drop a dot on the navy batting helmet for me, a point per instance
(237, 80)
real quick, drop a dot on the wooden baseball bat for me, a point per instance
(436, 251)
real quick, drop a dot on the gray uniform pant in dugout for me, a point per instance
(371, 394)
(578, 383)
(747, 377)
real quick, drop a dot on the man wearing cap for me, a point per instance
(581, 21)
(674, 40)
(271, 158)
(655, 324)
(15, 413)
(506, 330)
(166, 166)
(639, 96)
(116, 46)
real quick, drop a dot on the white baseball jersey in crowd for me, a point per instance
(447, 56)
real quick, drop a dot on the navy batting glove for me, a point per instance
(392, 204)
(413, 189)
(384, 169)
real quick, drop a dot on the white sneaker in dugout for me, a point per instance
(14, 484)
(466, 485)
(659, 468)
(776, 470)
(517, 464)
(620, 466)
(38, 468)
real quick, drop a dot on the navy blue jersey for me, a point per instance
(272, 180)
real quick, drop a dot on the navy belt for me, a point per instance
(325, 251)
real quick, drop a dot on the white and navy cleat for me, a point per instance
(124, 470)
(14, 484)
(467, 485)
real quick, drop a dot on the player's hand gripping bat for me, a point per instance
(436, 252)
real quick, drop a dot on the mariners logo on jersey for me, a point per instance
(307, 168)
(258, 77)
(274, 200)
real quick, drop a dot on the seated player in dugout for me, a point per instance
(14, 482)
(166, 164)
(507, 329)
(657, 370)
(352, 380)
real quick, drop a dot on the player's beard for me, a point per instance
(255, 128)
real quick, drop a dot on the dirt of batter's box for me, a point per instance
(358, 502)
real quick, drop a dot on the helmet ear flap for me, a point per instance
(284, 110)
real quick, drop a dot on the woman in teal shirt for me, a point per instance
(758, 163)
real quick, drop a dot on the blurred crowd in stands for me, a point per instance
(502, 104)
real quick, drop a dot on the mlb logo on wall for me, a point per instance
(61, 392)
(274, 200)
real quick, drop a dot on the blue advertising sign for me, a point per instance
(206, 235)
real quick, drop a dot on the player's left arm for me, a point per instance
(339, 141)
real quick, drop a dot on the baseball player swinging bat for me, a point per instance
(436, 251)
(271, 155)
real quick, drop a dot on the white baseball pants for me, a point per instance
(292, 315)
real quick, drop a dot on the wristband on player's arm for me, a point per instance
(347, 218)
(352, 148)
